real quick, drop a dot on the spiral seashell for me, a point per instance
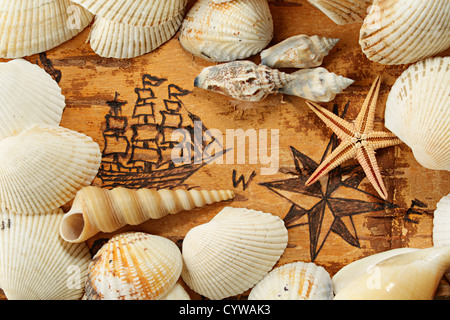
(294, 281)
(28, 27)
(134, 266)
(343, 11)
(97, 210)
(441, 223)
(299, 51)
(418, 111)
(408, 276)
(36, 264)
(28, 95)
(232, 252)
(227, 30)
(405, 31)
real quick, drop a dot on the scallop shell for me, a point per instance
(95, 209)
(441, 223)
(43, 167)
(28, 95)
(35, 263)
(32, 26)
(418, 111)
(405, 31)
(227, 31)
(294, 281)
(300, 51)
(134, 266)
(409, 276)
(232, 252)
(343, 11)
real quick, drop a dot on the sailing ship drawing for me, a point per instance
(138, 150)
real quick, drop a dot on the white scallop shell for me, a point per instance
(227, 31)
(134, 266)
(441, 222)
(418, 111)
(32, 26)
(43, 167)
(35, 263)
(294, 281)
(343, 11)
(232, 252)
(405, 31)
(28, 95)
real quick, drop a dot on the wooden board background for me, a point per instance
(355, 223)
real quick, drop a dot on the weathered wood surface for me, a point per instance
(333, 226)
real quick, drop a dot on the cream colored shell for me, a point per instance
(177, 293)
(441, 222)
(232, 252)
(343, 11)
(134, 266)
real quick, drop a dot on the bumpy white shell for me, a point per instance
(134, 266)
(32, 26)
(35, 263)
(28, 95)
(441, 223)
(232, 252)
(294, 281)
(300, 51)
(227, 31)
(418, 111)
(343, 11)
(43, 167)
(405, 31)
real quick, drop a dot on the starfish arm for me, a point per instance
(345, 151)
(366, 117)
(366, 157)
(343, 129)
(382, 139)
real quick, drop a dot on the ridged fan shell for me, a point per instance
(441, 223)
(343, 11)
(232, 252)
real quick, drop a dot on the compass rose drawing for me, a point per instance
(326, 206)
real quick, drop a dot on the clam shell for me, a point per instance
(405, 31)
(294, 281)
(134, 266)
(232, 252)
(343, 11)
(418, 111)
(28, 95)
(227, 31)
(32, 26)
(441, 223)
(35, 263)
(43, 167)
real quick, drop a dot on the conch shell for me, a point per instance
(343, 11)
(97, 210)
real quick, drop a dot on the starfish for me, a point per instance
(358, 140)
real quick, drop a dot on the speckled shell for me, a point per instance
(35, 263)
(227, 31)
(343, 11)
(28, 95)
(300, 51)
(418, 111)
(232, 252)
(441, 222)
(405, 31)
(294, 281)
(134, 266)
(33, 26)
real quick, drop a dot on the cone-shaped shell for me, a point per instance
(294, 281)
(408, 276)
(134, 266)
(28, 95)
(227, 31)
(232, 252)
(97, 210)
(32, 26)
(441, 223)
(343, 11)
(35, 263)
(43, 167)
(300, 51)
(418, 111)
(405, 31)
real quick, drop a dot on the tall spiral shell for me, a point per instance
(97, 210)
